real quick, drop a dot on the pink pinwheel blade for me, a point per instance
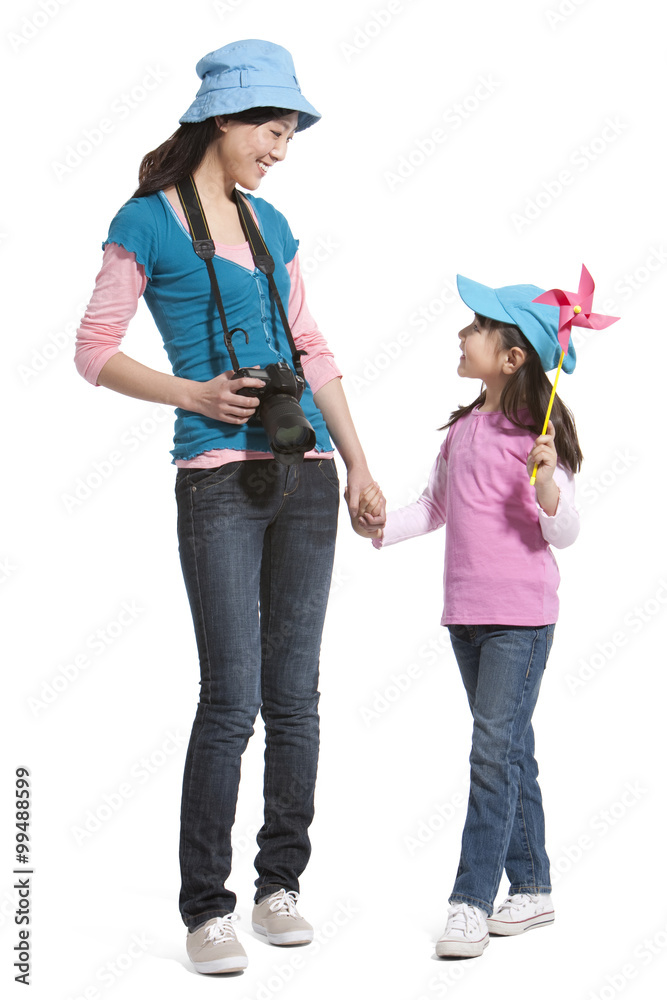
(586, 289)
(554, 297)
(566, 301)
(594, 321)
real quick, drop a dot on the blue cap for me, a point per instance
(248, 74)
(513, 304)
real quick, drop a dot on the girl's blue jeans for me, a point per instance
(502, 667)
(256, 542)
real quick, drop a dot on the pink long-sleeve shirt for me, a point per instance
(499, 567)
(118, 288)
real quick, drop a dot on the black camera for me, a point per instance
(289, 432)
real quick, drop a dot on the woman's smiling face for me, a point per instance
(249, 151)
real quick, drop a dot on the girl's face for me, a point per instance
(481, 354)
(248, 152)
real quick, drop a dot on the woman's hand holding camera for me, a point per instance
(219, 398)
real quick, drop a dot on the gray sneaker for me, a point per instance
(279, 920)
(466, 934)
(214, 947)
(521, 912)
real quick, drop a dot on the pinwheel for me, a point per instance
(575, 310)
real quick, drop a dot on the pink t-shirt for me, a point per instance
(121, 283)
(499, 567)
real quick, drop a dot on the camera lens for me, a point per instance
(289, 431)
(292, 436)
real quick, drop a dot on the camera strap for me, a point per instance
(204, 247)
(265, 263)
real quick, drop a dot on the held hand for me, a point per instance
(544, 454)
(373, 521)
(367, 509)
(219, 398)
(370, 500)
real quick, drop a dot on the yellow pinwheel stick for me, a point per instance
(576, 310)
(549, 407)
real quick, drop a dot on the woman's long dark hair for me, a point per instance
(182, 153)
(528, 388)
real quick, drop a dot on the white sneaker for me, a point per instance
(214, 947)
(466, 934)
(277, 918)
(521, 912)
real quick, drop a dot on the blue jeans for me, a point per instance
(502, 668)
(256, 542)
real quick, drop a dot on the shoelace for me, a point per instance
(517, 901)
(283, 903)
(464, 919)
(222, 929)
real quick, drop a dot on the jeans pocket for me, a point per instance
(204, 479)
(327, 467)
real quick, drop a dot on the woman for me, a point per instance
(252, 531)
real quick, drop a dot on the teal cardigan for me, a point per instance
(179, 296)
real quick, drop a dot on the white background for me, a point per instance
(520, 93)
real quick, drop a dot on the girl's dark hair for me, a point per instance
(529, 388)
(182, 153)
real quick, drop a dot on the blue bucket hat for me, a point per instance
(248, 74)
(513, 304)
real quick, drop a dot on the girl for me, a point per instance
(500, 593)
(252, 531)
